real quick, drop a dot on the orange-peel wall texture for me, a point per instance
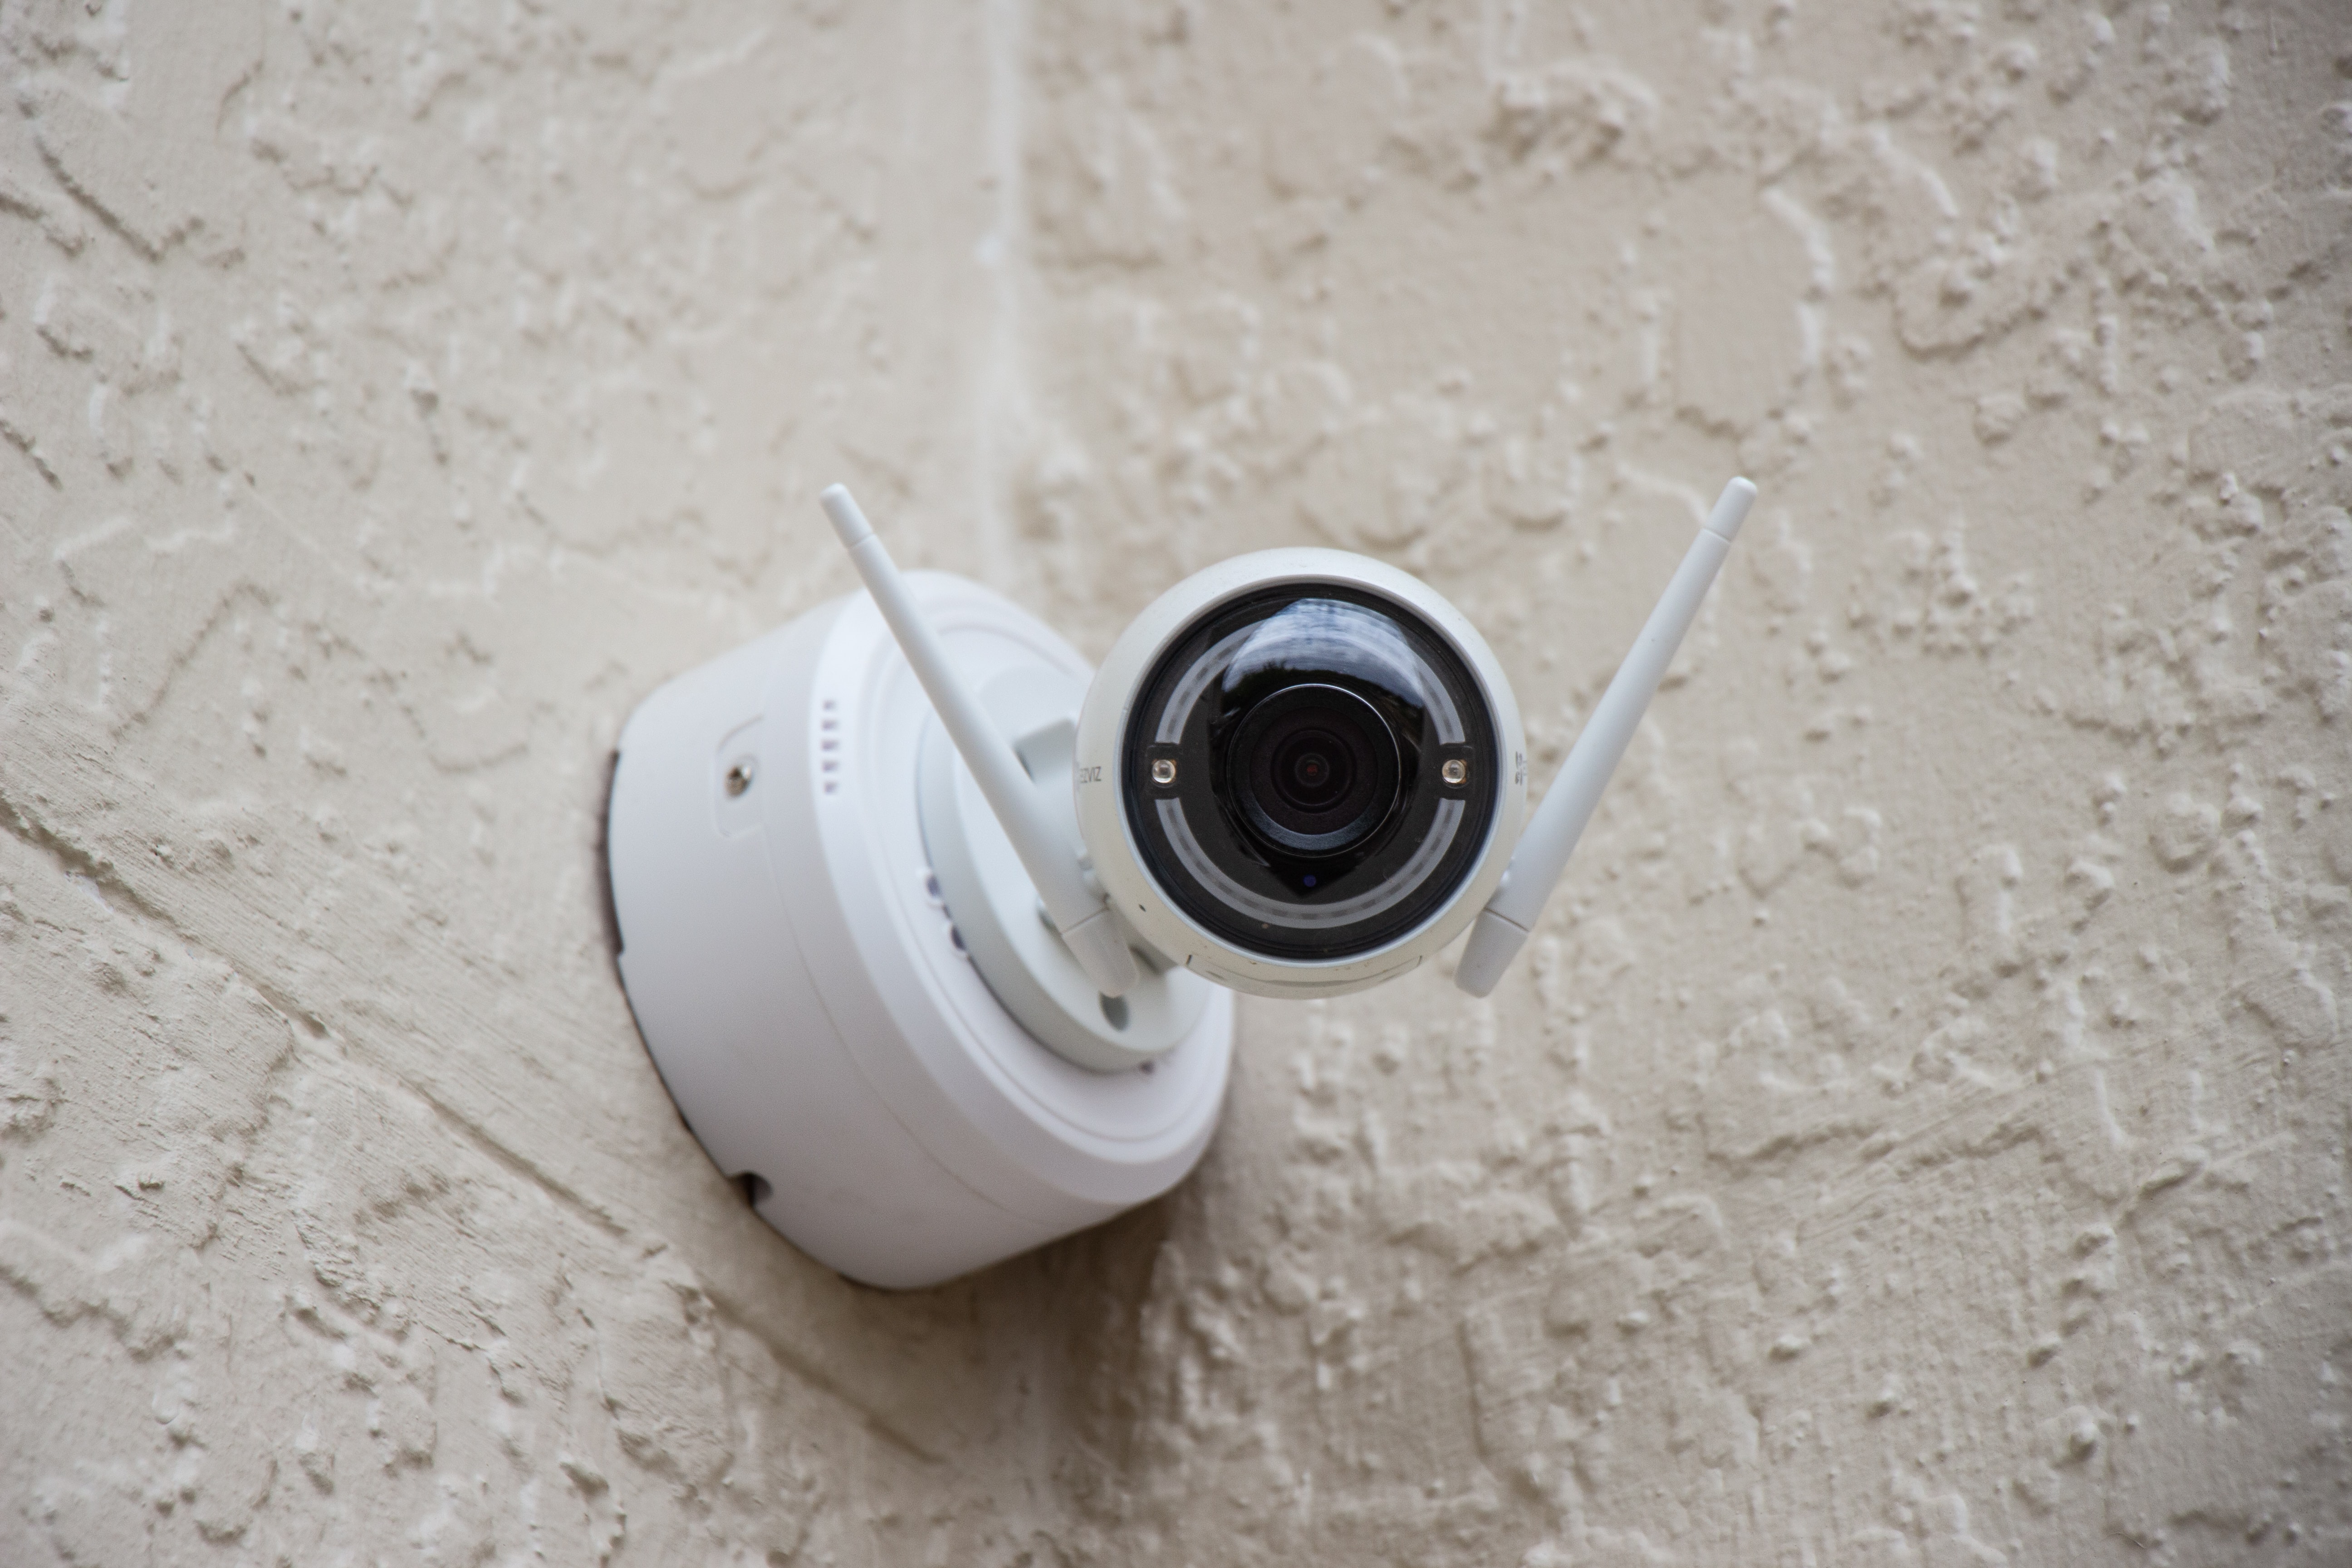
(1917, 1131)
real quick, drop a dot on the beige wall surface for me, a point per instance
(1918, 1133)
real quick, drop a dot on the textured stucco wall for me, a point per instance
(1920, 1132)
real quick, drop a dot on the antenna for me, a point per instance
(1559, 821)
(1079, 915)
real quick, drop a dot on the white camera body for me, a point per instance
(1151, 888)
(933, 932)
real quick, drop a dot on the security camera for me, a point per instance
(933, 932)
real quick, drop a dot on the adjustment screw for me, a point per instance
(1163, 771)
(738, 777)
(1454, 771)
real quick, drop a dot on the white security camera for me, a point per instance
(932, 931)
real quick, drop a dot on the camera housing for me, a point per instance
(1299, 773)
(932, 931)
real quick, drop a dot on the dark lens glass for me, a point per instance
(1314, 769)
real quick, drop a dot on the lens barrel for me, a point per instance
(1314, 770)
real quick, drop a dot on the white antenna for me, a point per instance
(1559, 821)
(1085, 922)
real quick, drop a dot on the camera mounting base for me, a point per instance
(998, 915)
(799, 969)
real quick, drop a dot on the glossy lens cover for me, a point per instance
(1307, 816)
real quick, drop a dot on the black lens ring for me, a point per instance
(1271, 742)
(1204, 854)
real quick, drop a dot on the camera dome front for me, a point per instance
(1313, 762)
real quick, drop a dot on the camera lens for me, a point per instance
(1314, 769)
(1299, 771)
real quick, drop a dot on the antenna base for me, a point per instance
(1494, 940)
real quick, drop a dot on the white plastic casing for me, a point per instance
(799, 983)
(1102, 729)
